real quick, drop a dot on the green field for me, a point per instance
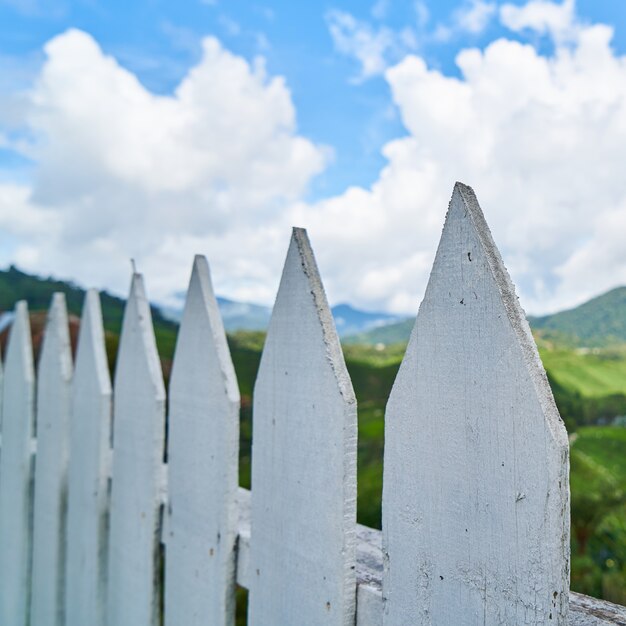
(598, 461)
(589, 386)
(598, 487)
(594, 374)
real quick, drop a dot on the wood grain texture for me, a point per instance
(475, 494)
(54, 380)
(89, 468)
(303, 460)
(137, 476)
(584, 611)
(203, 464)
(16, 473)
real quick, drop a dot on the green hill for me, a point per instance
(599, 322)
(17, 285)
(589, 385)
(398, 332)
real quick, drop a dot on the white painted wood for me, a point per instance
(16, 473)
(203, 446)
(475, 495)
(54, 378)
(138, 442)
(584, 611)
(88, 494)
(303, 460)
(1, 395)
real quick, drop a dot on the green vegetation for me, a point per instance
(599, 322)
(589, 386)
(598, 485)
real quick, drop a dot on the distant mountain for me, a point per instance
(350, 321)
(598, 322)
(243, 315)
(398, 332)
(248, 316)
(17, 285)
(37, 291)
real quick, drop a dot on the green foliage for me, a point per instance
(597, 323)
(16, 285)
(592, 374)
(399, 332)
(598, 505)
(587, 385)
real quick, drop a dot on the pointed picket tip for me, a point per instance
(464, 198)
(91, 352)
(301, 262)
(475, 485)
(201, 309)
(137, 337)
(203, 445)
(88, 473)
(303, 502)
(53, 421)
(19, 354)
(16, 474)
(137, 469)
(56, 352)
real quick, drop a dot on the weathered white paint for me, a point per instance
(16, 473)
(138, 442)
(475, 492)
(1, 395)
(584, 611)
(88, 496)
(203, 445)
(54, 378)
(303, 460)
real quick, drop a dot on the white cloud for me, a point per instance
(543, 17)
(373, 47)
(124, 173)
(474, 16)
(541, 139)
(422, 13)
(219, 168)
(380, 9)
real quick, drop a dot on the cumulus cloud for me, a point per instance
(374, 47)
(128, 173)
(474, 16)
(543, 17)
(541, 139)
(219, 167)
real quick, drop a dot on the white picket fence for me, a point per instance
(475, 497)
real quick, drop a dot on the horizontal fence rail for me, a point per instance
(121, 507)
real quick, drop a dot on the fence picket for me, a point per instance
(203, 444)
(303, 460)
(475, 495)
(88, 497)
(16, 473)
(54, 379)
(138, 442)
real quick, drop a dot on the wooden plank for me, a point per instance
(16, 473)
(54, 381)
(303, 460)
(475, 495)
(203, 446)
(138, 443)
(584, 611)
(88, 496)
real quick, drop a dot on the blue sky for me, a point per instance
(160, 41)
(337, 60)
